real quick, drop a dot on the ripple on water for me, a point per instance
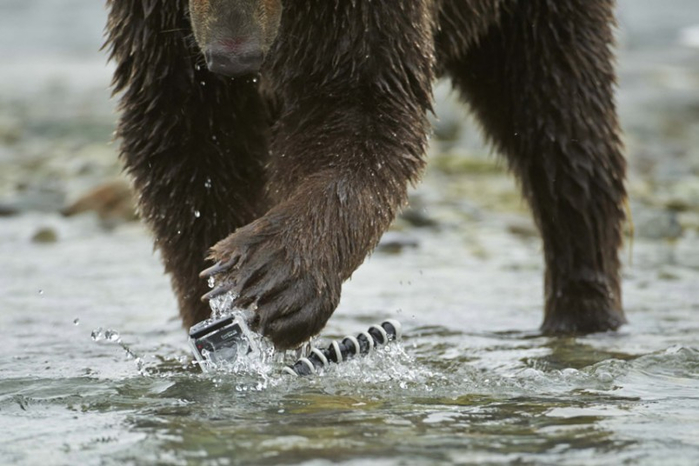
(540, 402)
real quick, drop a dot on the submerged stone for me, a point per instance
(45, 235)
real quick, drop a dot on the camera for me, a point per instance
(227, 338)
(220, 339)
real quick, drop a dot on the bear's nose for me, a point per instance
(234, 60)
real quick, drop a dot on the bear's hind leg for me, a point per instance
(541, 83)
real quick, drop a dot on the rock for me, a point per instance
(683, 195)
(394, 242)
(416, 217)
(10, 130)
(7, 210)
(45, 235)
(655, 224)
(113, 202)
(524, 228)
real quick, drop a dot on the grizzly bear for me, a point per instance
(279, 137)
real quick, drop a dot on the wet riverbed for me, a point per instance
(471, 382)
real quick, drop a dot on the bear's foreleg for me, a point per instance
(355, 82)
(194, 143)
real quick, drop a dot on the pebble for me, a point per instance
(45, 235)
(394, 242)
(656, 224)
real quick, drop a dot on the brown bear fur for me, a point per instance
(295, 176)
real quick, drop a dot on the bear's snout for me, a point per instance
(234, 57)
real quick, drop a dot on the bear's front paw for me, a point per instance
(291, 291)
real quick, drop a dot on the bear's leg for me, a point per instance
(193, 142)
(356, 84)
(541, 83)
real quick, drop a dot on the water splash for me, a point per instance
(257, 357)
(252, 360)
(112, 336)
(389, 365)
(222, 305)
(109, 335)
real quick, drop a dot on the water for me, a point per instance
(95, 368)
(471, 382)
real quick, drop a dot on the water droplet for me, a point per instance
(76, 321)
(197, 214)
(41, 292)
(207, 183)
(203, 83)
(101, 334)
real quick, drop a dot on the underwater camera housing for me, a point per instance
(217, 340)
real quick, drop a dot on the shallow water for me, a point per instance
(471, 382)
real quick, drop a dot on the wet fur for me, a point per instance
(296, 177)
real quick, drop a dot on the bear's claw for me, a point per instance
(292, 296)
(218, 267)
(218, 291)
